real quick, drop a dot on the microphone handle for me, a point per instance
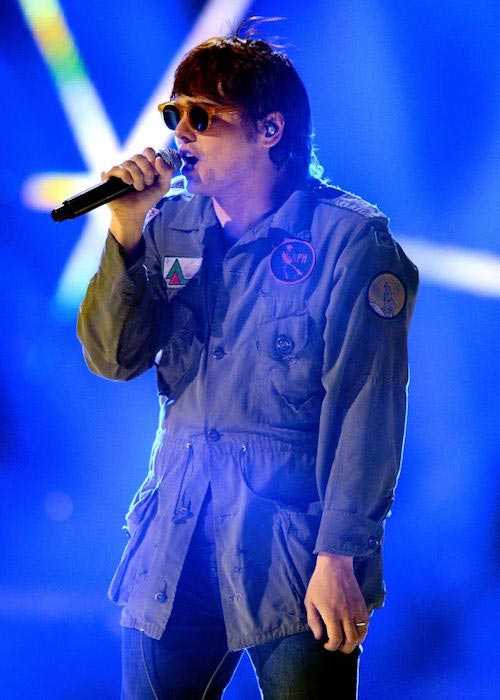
(105, 192)
(86, 201)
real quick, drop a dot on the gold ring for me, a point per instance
(361, 624)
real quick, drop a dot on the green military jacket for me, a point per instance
(282, 375)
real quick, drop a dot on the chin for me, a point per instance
(194, 186)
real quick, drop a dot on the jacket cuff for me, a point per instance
(341, 532)
(116, 265)
(134, 258)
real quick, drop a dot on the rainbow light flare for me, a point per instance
(474, 271)
(87, 117)
(93, 130)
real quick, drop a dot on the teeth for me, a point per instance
(189, 159)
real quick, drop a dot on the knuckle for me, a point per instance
(345, 649)
(128, 165)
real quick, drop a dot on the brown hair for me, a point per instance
(250, 73)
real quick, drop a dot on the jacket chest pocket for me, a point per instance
(292, 354)
(178, 361)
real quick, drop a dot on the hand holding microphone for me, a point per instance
(130, 189)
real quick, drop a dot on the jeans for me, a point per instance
(191, 660)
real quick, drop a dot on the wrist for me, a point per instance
(332, 559)
(128, 236)
(131, 257)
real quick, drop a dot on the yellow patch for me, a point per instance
(387, 295)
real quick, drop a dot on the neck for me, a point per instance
(239, 214)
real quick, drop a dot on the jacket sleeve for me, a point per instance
(365, 376)
(118, 321)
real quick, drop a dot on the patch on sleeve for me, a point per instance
(179, 271)
(151, 215)
(387, 295)
(384, 238)
(292, 261)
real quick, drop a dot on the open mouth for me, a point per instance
(189, 161)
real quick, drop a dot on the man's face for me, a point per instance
(221, 161)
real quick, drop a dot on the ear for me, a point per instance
(270, 129)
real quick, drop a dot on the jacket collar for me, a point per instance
(291, 220)
(197, 213)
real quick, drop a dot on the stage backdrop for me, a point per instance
(406, 106)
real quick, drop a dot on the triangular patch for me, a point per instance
(179, 271)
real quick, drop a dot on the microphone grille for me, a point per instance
(171, 158)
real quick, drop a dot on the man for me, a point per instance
(275, 309)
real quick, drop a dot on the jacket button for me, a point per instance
(373, 542)
(218, 353)
(161, 596)
(213, 435)
(284, 345)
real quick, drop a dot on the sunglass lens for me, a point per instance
(198, 118)
(171, 116)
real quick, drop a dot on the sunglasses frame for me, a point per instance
(210, 110)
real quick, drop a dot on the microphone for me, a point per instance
(106, 191)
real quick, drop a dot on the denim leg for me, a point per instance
(153, 671)
(299, 668)
(193, 648)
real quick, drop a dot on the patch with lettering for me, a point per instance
(292, 261)
(151, 215)
(387, 295)
(179, 271)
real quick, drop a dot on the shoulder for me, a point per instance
(362, 235)
(354, 220)
(341, 202)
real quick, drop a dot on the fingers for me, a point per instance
(164, 171)
(137, 171)
(150, 182)
(140, 170)
(344, 637)
(335, 633)
(333, 627)
(354, 634)
(343, 634)
(314, 621)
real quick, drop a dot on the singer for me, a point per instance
(275, 310)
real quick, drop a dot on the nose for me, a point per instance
(184, 132)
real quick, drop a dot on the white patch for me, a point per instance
(179, 271)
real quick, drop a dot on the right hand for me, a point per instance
(150, 176)
(334, 603)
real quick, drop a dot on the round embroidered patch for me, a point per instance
(387, 295)
(292, 261)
